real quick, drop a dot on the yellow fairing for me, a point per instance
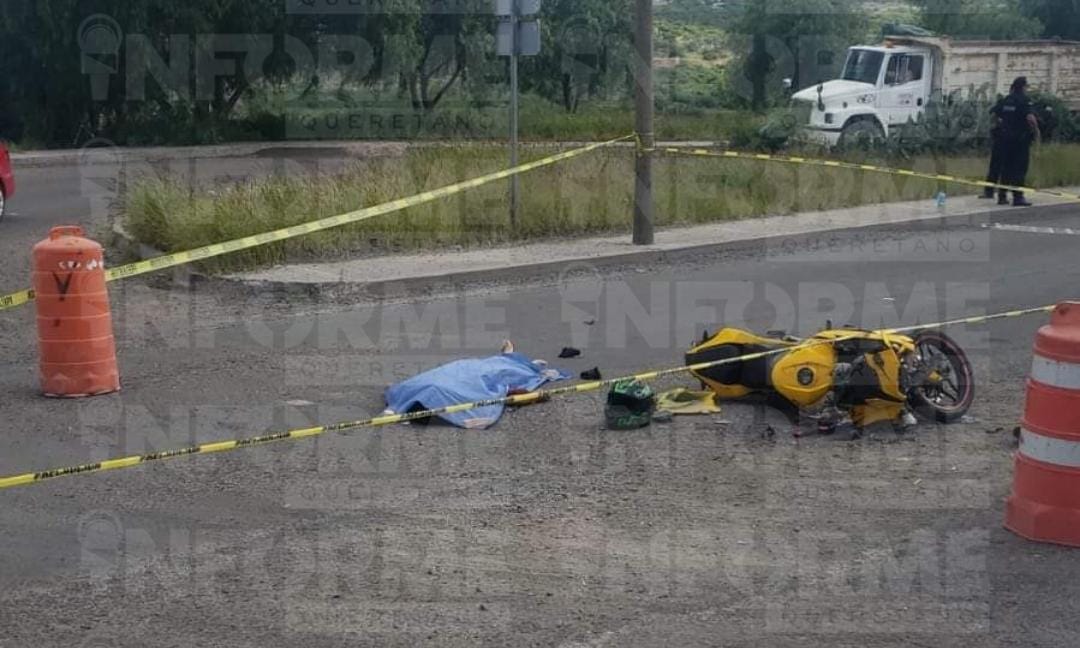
(805, 376)
(886, 367)
(875, 411)
(732, 336)
(739, 336)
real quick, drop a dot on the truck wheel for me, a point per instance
(860, 131)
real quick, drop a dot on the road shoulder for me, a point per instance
(510, 262)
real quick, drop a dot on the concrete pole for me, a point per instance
(643, 104)
(515, 183)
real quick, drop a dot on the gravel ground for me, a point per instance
(547, 530)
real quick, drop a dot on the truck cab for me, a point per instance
(881, 87)
(884, 86)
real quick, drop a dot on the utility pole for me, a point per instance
(643, 123)
(515, 184)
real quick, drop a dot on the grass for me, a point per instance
(22, 146)
(687, 96)
(587, 195)
(598, 121)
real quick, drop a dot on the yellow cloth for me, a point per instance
(684, 401)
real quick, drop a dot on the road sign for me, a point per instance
(525, 7)
(528, 38)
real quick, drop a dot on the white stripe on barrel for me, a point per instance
(1065, 375)
(1050, 450)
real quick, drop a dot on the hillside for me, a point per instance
(698, 55)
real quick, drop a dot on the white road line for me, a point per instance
(1031, 229)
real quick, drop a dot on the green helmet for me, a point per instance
(630, 405)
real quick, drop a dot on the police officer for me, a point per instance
(1018, 128)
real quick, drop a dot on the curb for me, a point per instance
(426, 284)
(184, 276)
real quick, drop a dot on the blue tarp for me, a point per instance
(468, 381)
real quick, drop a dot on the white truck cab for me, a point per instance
(880, 87)
(884, 86)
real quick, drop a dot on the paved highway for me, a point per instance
(547, 529)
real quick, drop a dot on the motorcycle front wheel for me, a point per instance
(949, 400)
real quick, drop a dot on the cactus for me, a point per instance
(949, 124)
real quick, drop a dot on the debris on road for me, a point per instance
(592, 374)
(686, 402)
(630, 405)
(569, 352)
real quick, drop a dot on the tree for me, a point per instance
(65, 63)
(424, 50)
(1061, 18)
(46, 94)
(978, 19)
(586, 45)
(796, 39)
(706, 12)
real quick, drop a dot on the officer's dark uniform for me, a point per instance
(1016, 138)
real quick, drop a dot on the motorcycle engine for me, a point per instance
(842, 373)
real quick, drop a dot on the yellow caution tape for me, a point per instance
(16, 299)
(286, 233)
(835, 164)
(519, 399)
(979, 319)
(219, 249)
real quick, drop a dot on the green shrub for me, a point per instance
(771, 132)
(957, 125)
(1057, 121)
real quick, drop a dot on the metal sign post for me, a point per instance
(516, 37)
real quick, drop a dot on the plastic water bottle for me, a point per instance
(940, 200)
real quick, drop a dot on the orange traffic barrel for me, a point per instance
(1045, 501)
(75, 336)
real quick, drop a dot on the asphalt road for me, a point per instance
(546, 530)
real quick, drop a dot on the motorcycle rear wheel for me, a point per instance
(950, 401)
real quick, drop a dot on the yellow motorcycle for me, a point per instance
(841, 375)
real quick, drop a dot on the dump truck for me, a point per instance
(882, 87)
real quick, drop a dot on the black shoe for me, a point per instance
(1022, 202)
(987, 194)
(1003, 200)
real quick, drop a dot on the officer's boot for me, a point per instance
(1019, 200)
(1003, 197)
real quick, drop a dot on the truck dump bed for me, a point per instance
(990, 66)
